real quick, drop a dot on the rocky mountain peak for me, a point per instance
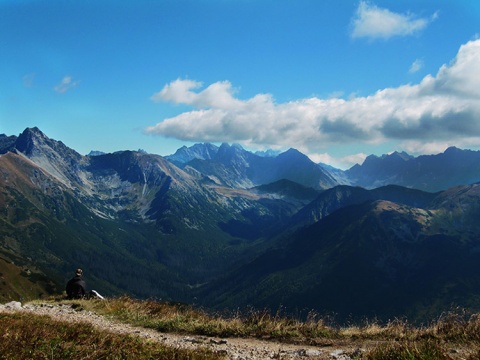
(233, 154)
(185, 154)
(51, 155)
(32, 141)
(293, 154)
(401, 155)
(452, 149)
(29, 139)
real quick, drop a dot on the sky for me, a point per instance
(336, 79)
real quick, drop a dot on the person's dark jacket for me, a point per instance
(76, 288)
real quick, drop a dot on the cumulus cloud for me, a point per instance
(440, 109)
(219, 94)
(66, 84)
(373, 22)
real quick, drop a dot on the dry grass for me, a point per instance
(409, 350)
(179, 318)
(395, 340)
(27, 336)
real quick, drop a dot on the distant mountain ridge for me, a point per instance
(225, 227)
(234, 166)
(427, 172)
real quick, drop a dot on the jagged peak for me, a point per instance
(33, 139)
(293, 153)
(373, 159)
(34, 129)
(268, 153)
(29, 139)
(402, 155)
(370, 158)
(452, 150)
(32, 132)
(225, 148)
(202, 151)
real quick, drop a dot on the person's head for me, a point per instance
(79, 272)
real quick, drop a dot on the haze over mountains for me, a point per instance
(224, 227)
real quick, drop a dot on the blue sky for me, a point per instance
(335, 79)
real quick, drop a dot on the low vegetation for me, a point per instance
(455, 335)
(180, 318)
(27, 336)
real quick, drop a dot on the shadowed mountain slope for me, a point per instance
(376, 258)
(233, 229)
(427, 172)
(134, 221)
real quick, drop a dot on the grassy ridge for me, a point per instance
(179, 318)
(27, 336)
(456, 335)
(394, 340)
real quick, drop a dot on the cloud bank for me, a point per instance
(441, 109)
(373, 22)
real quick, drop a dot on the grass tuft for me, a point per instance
(407, 350)
(456, 332)
(180, 318)
(27, 336)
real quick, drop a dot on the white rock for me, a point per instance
(13, 305)
(311, 352)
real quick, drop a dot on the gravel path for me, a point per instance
(232, 348)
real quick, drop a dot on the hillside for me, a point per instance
(374, 258)
(123, 328)
(226, 228)
(130, 219)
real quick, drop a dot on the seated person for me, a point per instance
(76, 286)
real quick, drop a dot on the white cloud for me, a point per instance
(345, 162)
(441, 108)
(66, 84)
(219, 94)
(353, 159)
(322, 158)
(371, 21)
(416, 66)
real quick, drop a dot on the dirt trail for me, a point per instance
(232, 348)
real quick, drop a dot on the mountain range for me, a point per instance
(227, 228)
